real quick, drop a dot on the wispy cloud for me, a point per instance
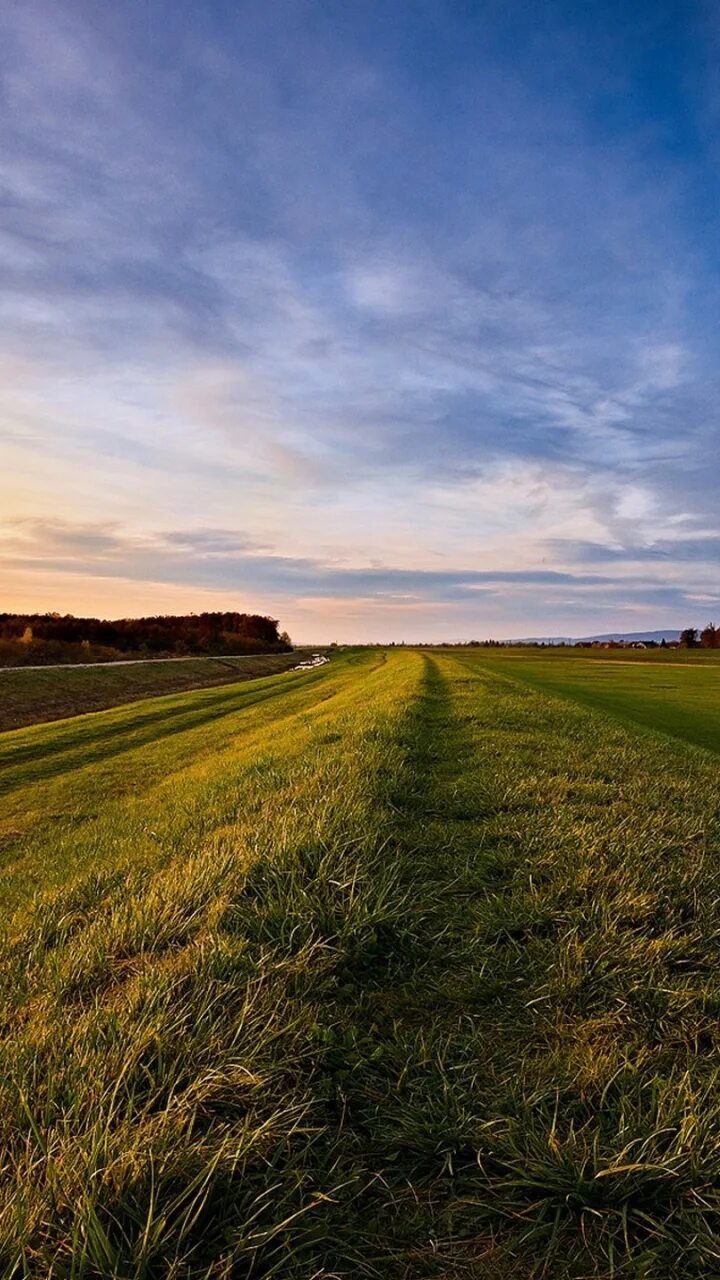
(276, 279)
(220, 560)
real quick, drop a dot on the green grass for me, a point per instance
(572, 653)
(399, 968)
(53, 693)
(681, 699)
(104, 788)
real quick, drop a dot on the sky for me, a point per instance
(395, 319)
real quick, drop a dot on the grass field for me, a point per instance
(679, 698)
(52, 693)
(402, 967)
(572, 653)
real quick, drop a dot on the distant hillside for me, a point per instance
(627, 636)
(642, 636)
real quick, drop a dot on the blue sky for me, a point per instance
(395, 320)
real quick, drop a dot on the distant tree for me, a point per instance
(52, 637)
(710, 637)
(663, 643)
(689, 638)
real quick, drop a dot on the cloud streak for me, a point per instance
(424, 288)
(222, 560)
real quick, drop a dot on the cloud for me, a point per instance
(698, 551)
(265, 271)
(225, 560)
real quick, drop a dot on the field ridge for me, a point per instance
(413, 980)
(41, 694)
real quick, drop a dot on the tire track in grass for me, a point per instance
(123, 763)
(164, 1034)
(90, 738)
(531, 1089)
(582, 1061)
(481, 940)
(401, 1032)
(134, 797)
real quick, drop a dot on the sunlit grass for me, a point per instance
(413, 975)
(677, 691)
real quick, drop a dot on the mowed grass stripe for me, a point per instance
(110, 753)
(43, 750)
(681, 700)
(52, 693)
(180, 1121)
(556, 1091)
(132, 805)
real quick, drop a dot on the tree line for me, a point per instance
(708, 638)
(27, 639)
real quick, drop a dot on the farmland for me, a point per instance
(28, 695)
(401, 967)
(680, 696)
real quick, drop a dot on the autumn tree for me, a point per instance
(689, 638)
(51, 637)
